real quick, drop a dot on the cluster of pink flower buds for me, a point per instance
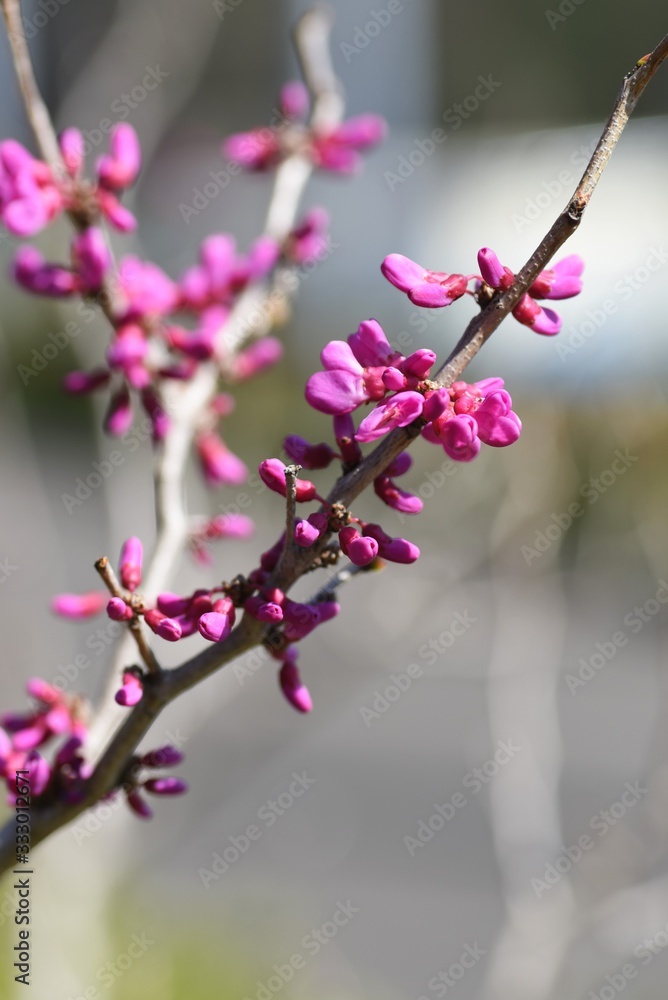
(55, 715)
(366, 370)
(164, 329)
(435, 289)
(334, 148)
(134, 781)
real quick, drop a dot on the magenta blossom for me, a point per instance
(430, 289)
(131, 691)
(272, 474)
(399, 411)
(56, 715)
(292, 686)
(353, 371)
(29, 195)
(463, 416)
(219, 465)
(563, 281)
(385, 487)
(130, 563)
(119, 168)
(80, 606)
(338, 149)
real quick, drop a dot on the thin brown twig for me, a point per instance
(37, 112)
(134, 624)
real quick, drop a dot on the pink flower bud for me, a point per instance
(139, 806)
(119, 216)
(129, 347)
(166, 756)
(344, 432)
(292, 687)
(398, 550)
(460, 439)
(436, 404)
(229, 526)
(400, 465)
(91, 257)
(294, 99)
(398, 411)
(263, 610)
(219, 464)
(72, 150)
(346, 536)
(130, 564)
(272, 474)
(396, 498)
(43, 691)
(362, 550)
(165, 786)
(214, 626)
(119, 168)
(118, 610)
(394, 380)
(262, 354)
(311, 456)
(131, 692)
(79, 383)
(493, 271)
(172, 604)
(166, 628)
(419, 364)
(31, 271)
(118, 419)
(79, 605)
(305, 534)
(160, 422)
(40, 772)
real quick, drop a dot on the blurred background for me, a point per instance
(498, 827)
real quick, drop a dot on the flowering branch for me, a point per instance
(441, 408)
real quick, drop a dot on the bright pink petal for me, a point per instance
(459, 436)
(335, 392)
(399, 411)
(402, 272)
(369, 345)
